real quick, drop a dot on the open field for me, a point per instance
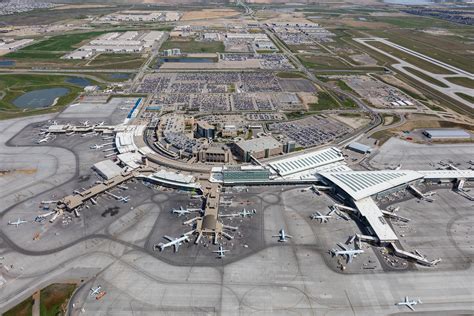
(466, 97)
(209, 14)
(192, 46)
(462, 81)
(54, 298)
(116, 61)
(15, 85)
(22, 309)
(326, 62)
(425, 77)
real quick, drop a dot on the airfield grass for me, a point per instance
(326, 62)
(116, 61)
(22, 309)
(327, 102)
(466, 97)
(54, 298)
(15, 85)
(425, 77)
(462, 81)
(290, 75)
(453, 50)
(193, 46)
(415, 61)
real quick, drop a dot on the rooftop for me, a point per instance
(306, 161)
(259, 144)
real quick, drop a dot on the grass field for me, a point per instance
(326, 62)
(22, 309)
(462, 81)
(16, 85)
(117, 61)
(192, 46)
(54, 298)
(466, 97)
(325, 102)
(54, 47)
(425, 77)
(290, 75)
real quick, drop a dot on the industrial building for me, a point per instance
(360, 148)
(258, 148)
(440, 134)
(116, 42)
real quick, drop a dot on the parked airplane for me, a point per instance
(95, 291)
(45, 139)
(322, 218)
(124, 199)
(347, 252)
(183, 211)
(85, 123)
(243, 213)
(17, 223)
(95, 146)
(409, 303)
(282, 236)
(221, 252)
(100, 123)
(176, 242)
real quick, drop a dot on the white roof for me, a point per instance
(173, 177)
(131, 159)
(361, 184)
(107, 168)
(306, 161)
(447, 174)
(374, 216)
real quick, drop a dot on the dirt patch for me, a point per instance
(307, 98)
(353, 121)
(209, 14)
(82, 6)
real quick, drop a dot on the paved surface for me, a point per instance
(109, 245)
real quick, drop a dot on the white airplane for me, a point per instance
(85, 123)
(322, 218)
(124, 199)
(17, 223)
(243, 213)
(221, 252)
(42, 217)
(282, 236)
(96, 291)
(45, 139)
(349, 253)
(409, 303)
(182, 211)
(176, 242)
(95, 146)
(100, 123)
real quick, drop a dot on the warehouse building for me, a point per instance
(440, 134)
(360, 148)
(258, 148)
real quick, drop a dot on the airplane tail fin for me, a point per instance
(419, 301)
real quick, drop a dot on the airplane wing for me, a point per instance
(342, 246)
(410, 307)
(168, 238)
(349, 257)
(288, 236)
(406, 299)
